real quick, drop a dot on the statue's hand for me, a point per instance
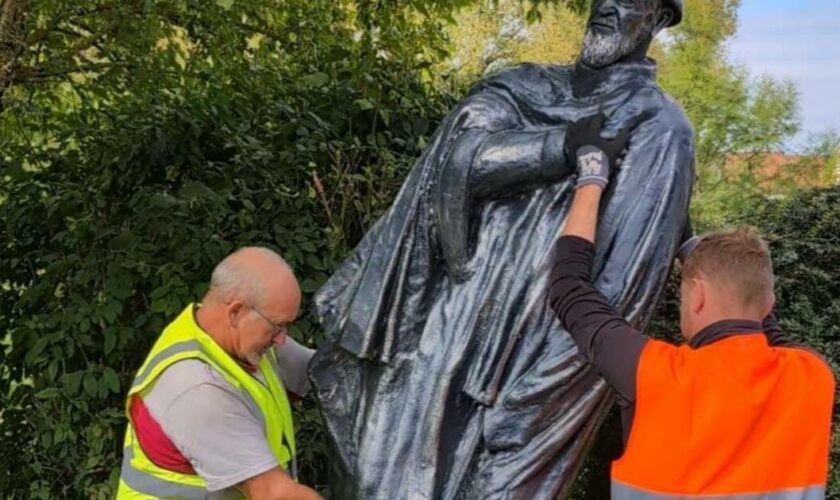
(595, 157)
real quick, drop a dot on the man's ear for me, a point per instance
(771, 304)
(234, 312)
(663, 19)
(699, 295)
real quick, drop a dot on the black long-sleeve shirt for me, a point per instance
(605, 338)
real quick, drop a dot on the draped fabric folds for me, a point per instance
(444, 373)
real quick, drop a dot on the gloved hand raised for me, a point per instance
(595, 157)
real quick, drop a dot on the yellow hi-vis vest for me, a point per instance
(140, 478)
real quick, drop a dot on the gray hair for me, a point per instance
(239, 277)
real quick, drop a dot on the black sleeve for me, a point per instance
(602, 335)
(775, 336)
(778, 338)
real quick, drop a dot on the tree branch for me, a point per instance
(12, 41)
(38, 74)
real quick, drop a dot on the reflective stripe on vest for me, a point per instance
(620, 491)
(147, 483)
(184, 339)
(180, 347)
(734, 419)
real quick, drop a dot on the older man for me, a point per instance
(208, 411)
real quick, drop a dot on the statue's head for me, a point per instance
(621, 28)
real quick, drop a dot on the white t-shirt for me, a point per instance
(217, 428)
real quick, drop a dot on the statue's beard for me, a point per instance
(601, 50)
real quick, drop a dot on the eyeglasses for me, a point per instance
(276, 328)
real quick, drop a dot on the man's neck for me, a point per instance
(723, 329)
(733, 317)
(206, 319)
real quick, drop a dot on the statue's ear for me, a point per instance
(663, 19)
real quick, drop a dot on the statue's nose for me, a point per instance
(606, 7)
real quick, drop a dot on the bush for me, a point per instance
(804, 236)
(122, 191)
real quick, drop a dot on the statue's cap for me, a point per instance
(677, 5)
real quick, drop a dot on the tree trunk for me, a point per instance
(12, 41)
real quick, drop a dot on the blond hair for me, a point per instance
(737, 261)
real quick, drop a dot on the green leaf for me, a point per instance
(159, 305)
(316, 79)
(90, 385)
(364, 104)
(36, 351)
(309, 285)
(225, 4)
(162, 200)
(49, 392)
(110, 335)
(195, 189)
(314, 262)
(109, 314)
(126, 239)
(71, 382)
(112, 382)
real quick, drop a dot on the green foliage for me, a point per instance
(730, 111)
(283, 124)
(804, 236)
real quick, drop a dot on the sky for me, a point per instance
(797, 40)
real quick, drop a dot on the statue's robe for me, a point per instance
(445, 374)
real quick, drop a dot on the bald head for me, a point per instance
(254, 275)
(253, 299)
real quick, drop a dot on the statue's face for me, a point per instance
(616, 28)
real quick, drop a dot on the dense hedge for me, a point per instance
(122, 194)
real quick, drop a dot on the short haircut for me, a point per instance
(236, 277)
(738, 260)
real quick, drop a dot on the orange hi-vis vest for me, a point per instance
(734, 419)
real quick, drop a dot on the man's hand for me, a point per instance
(275, 484)
(594, 156)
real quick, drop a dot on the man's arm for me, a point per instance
(603, 337)
(275, 484)
(604, 298)
(292, 362)
(776, 337)
(216, 430)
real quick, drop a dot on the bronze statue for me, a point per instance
(445, 374)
